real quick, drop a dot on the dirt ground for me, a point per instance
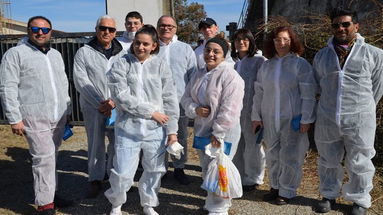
(16, 190)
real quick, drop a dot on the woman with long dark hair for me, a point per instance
(142, 87)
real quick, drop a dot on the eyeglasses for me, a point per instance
(104, 28)
(280, 40)
(343, 24)
(170, 27)
(36, 30)
(243, 39)
(132, 23)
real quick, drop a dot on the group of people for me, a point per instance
(156, 83)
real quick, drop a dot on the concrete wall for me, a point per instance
(151, 10)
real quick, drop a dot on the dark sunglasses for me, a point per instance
(103, 28)
(36, 30)
(343, 24)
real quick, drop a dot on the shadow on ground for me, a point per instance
(17, 193)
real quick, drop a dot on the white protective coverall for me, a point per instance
(250, 157)
(181, 59)
(201, 61)
(221, 89)
(346, 119)
(34, 90)
(89, 75)
(126, 40)
(139, 89)
(285, 88)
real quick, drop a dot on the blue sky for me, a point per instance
(81, 15)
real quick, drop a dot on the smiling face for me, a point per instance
(39, 38)
(342, 33)
(209, 31)
(143, 46)
(242, 44)
(105, 37)
(213, 55)
(166, 29)
(282, 43)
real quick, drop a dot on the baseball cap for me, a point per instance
(207, 21)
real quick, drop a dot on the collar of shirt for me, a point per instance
(114, 49)
(44, 49)
(174, 39)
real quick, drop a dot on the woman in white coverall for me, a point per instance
(213, 98)
(284, 104)
(142, 87)
(250, 157)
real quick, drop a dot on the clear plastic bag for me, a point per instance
(223, 178)
(210, 182)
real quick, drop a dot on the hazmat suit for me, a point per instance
(181, 59)
(221, 89)
(250, 156)
(139, 89)
(285, 89)
(89, 75)
(34, 90)
(346, 119)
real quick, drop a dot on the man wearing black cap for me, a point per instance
(208, 27)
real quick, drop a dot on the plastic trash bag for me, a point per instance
(222, 177)
(210, 182)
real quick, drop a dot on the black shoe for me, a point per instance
(181, 177)
(282, 200)
(358, 210)
(62, 203)
(95, 188)
(325, 205)
(249, 188)
(271, 195)
(47, 212)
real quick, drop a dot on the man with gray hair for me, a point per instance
(182, 61)
(91, 64)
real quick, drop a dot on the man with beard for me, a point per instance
(349, 72)
(35, 99)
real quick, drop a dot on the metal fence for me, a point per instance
(67, 45)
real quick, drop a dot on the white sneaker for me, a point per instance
(213, 213)
(149, 211)
(116, 210)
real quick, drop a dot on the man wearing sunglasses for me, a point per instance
(182, 61)
(133, 22)
(35, 99)
(349, 72)
(91, 63)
